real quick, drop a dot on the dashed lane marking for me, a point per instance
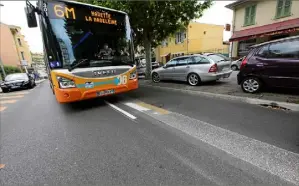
(2, 108)
(121, 110)
(8, 101)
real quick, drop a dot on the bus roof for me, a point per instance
(76, 2)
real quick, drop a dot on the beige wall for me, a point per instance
(201, 38)
(8, 50)
(24, 47)
(265, 13)
(205, 37)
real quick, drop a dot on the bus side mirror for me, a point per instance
(30, 15)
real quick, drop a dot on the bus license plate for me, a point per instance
(105, 92)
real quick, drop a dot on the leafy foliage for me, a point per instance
(10, 70)
(153, 21)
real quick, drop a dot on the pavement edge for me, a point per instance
(254, 101)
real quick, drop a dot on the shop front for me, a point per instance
(243, 39)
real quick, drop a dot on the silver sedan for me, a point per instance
(194, 69)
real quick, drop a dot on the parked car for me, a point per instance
(236, 64)
(194, 69)
(17, 81)
(273, 64)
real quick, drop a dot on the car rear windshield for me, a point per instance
(217, 58)
(15, 77)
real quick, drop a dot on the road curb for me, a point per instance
(40, 81)
(254, 101)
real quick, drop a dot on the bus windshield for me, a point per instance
(91, 36)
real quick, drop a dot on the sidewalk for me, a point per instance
(230, 87)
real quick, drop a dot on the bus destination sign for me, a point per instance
(81, 12)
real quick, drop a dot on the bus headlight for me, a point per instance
(133, 75)
(65, 83)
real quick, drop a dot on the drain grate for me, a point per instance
(274, 106)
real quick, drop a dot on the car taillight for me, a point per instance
(213, 68)
(244, 62)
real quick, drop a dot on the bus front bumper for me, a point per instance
(77, 94)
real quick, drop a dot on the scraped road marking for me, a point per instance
(141, 106)
(136, 107)
(10, 97)
(267, 157)
(14, 93)
(121, 110)
(7, 101)
(2, 108)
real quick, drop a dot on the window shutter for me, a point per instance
(279, 8)
(246, 19)
(287, 7)
(252, 14)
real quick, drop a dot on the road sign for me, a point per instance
(24, 63)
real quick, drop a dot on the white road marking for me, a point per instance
(266, 157)
(137, 107)
(197, 169)
(121, 110)
(7, 101)
(2, 108)
(10, 97)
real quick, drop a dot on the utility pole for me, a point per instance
(1, 64)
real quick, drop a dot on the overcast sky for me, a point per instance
(13, 13)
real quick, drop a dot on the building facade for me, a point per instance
(260, 21)
(197, 38)
(14, 48)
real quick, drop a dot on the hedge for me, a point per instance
(10, 70)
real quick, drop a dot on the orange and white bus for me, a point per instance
(88, 49)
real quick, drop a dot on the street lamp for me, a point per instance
(1, 64)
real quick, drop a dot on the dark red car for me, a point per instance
(273, 64)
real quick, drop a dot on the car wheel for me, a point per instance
(193, 79)
(156, 77)
(234, 67)
(31, 86)
(4, 90)
(251, 85)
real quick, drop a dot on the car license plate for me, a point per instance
(15, 86)
(105, 92)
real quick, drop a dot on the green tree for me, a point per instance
(10, 70)
(153, 21)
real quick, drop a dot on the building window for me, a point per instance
(283, 8)
(23, 56)
(19, 41)
(180, 37)
(250, 12)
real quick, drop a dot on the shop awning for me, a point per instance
(267, 30)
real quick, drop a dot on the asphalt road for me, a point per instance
(114, 141)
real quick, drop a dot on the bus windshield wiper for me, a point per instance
(77, 64)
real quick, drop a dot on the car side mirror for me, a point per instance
(165, 66)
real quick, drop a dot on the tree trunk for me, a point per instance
(148, 56)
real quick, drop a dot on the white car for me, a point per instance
(236, 64)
